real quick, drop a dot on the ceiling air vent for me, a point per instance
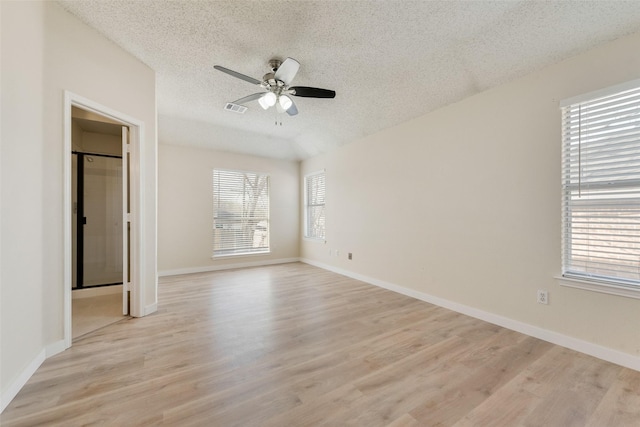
(240, 109)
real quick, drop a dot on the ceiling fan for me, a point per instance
(277, 88)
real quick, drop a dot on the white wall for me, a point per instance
(185, 208)
(100, 143)
(463, 204)
(22, 268)
(44, 52)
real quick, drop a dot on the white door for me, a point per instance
(126, 221)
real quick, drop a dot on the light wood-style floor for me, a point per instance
(92, 313)
(294, 345)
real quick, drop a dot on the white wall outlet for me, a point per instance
(337, 252)
(543, 296)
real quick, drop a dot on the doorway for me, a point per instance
(80, 112)
(99, 257)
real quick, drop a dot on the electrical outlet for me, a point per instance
(543, 297)
(337, 252)
(350, 256)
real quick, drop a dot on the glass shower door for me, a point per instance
(102, 248)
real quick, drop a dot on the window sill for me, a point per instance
(597, 286)
(314, 239)
(240, 255)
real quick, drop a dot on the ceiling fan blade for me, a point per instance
(293, 110)
(287, 71)
(312, 92)
(237, 75)
(249, 98)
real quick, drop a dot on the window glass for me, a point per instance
(314, 205)
(240, 213)
(601, 188)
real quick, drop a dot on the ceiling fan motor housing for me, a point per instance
(270, 83)
(269, 76)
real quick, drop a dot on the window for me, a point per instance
(314, 189)
(601, 187)
(240, 213)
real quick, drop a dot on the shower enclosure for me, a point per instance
(97, 207)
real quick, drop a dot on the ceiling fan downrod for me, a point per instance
(274, 64)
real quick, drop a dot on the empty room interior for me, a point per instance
(305, 213)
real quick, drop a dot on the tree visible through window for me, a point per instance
(601, 185)
(240, 213)
(314, 185)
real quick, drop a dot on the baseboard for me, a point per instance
(14, 389)
(55, 348)
(151, 309)
(218, 267)
(595, 350)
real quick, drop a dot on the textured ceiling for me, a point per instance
(388, 61)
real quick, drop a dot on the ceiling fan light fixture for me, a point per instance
(285, 102)
(269, 99)
(263, 103)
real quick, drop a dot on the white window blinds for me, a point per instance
(314, 205)
(240, 213)
(601, 187)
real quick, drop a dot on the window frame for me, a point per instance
(308, 205)
(570, 277)
(238, 252)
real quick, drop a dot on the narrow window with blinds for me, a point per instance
(314, 185)
(601, 187)
(240, 213)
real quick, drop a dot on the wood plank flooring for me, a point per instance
(91, 313)
(294, 345)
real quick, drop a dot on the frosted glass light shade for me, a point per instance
(285, 102)
(263, 103)
(268, 100)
